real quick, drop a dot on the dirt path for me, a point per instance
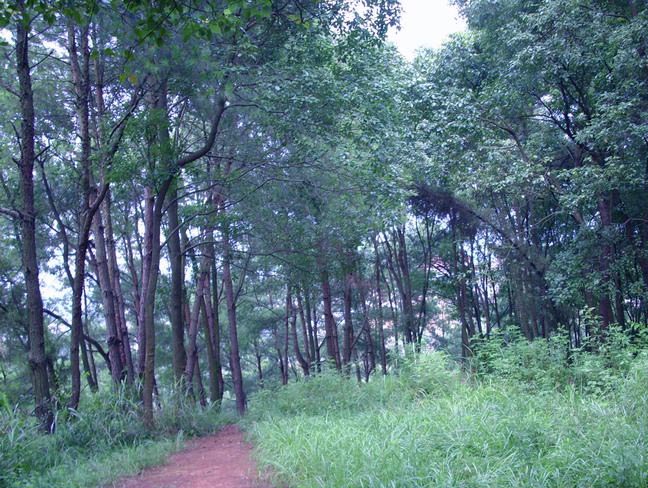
(218, 461)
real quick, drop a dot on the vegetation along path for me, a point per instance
(218, 461)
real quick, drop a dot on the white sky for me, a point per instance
(425, 23)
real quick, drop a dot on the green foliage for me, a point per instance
(536, 365)
(305, 398)
(103, 468)
(181, 414)
(544, 365)
(431, 426)
(428, 374)
(107, 434)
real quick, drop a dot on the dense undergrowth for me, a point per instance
(519, 415)
(104, 440)
(526, 415)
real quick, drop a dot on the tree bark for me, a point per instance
(81, 83)
(37, 356)
(118, 296)
(216, 327)
(292, 314)
(177, 287)
(330, 327)
(605, 258)
(212, 337)
(347, 338)
(115, 350)
(192, 346)
(145, 275)
(306, 334)
(381, 321)
(230, 299)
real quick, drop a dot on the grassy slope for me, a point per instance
(102, 442)
(105, 468)
(431, 428)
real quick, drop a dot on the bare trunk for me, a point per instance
(311, 323)
(216, 296)
(605, 258)
(330, 327)
(37, 357)
(193, 333)
(105, 209)
(145, 275)
(370, 355)
(381, 321)
(177, 285)
(257, 355)
(213, 346)
(347, 338)
(118, 296)
(235, 358)
(306, 337)
(202, 396)
(81, 83)
(105, 283)
(149, 309)
(292, 315)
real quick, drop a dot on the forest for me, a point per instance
(388, 273)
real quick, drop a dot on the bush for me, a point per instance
(428, 374)
(548, 364)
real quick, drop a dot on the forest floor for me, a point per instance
(222, 460)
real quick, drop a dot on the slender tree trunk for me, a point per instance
(460, 290)
(230, 299)
(398, 267)
(213, 351)
(286, 338)
(192, 346)
(149, 308)
(81, 83)
(303, 362)
(347, 338)
(177, 287)
(381, 321)
(120, 307)
(370, 365)
(332, 345)
(106, 208)
(406, 293)
(257, 355)
(37, 356)
(391, 299)
(115, 349)
(88, 369)
(311, 321)
(306, 336)
(216, 296)
(145, 275)
(197, 379)
(605, 259)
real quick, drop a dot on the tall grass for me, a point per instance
(103, 440)
(577, 423)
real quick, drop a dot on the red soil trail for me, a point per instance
(219, 461)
